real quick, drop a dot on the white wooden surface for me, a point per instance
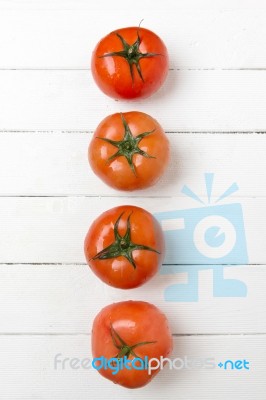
(28, 361)
(189, 101)
(213, 110)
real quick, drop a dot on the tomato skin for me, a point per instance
(118, 271)
(135, 321)
(112, 73)
(117, 172)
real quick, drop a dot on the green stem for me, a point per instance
(129, 145)
(132, 54)
(122, 245)
(124, 349)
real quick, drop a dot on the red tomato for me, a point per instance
(129, 63)
(124, 246)
(131, 330)
(129, 151)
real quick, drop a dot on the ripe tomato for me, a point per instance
(133, 330)
(124, 246)
(129, 151)
(129, 63)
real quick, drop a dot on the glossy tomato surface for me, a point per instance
(134, 329)
(124, 246)
(130, 63)
(129, 151)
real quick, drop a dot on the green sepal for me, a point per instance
(129, 145)
(131, 54)
(124, 349)
(122, 245)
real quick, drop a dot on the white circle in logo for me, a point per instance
(224, 227)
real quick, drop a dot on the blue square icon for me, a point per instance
(206, 237)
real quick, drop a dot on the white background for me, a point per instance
(213, 108)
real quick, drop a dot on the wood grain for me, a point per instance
(52, 230)
(188, 101)
(29, 360)
(55, 164)
(64, 299)
(213, 109)
(63, 35)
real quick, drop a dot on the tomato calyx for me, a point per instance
(131, 54)
(129, 145)
(124, 349)
(122, 246)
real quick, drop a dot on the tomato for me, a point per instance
(129, 151)
(124, 246)
(130, 63)
(127, 331)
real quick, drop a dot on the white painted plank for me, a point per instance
(66, 298)
(63, 299)
(52, 230)
(55, 163)
(84, 4)
(189, 101)
(64, 35)
(29, 362)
